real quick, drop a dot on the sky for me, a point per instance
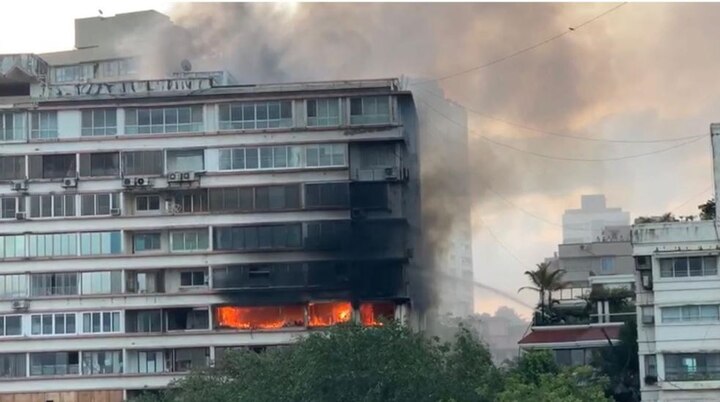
(645, 72)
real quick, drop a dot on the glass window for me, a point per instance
(181, 119)
(277, 197)
(12, 167)
(60, 284)
(53, 363)
(650, 365)
(185, 160)
(52, 245)
(147, 203)
(256, 115)
(326, 195)
(100, 243)
(98, 204)
(143, 321)
(47, 206)
(189, 240)
(10, 325)
(12, 126)
(143, 163)
(323, 112)
(325, 155)
(190, 202)
(193, 278)
(102, 362)
(96, 122)
(692, 366)
(8, 207)
(607, 264)
(43, 125)
(370, 110)
(74, 73)
(103, 282)
(106, 164)
(52, 324)
(13, 365)
(12, 286)
(688, 266)
(101, 322)
(54, 167)
(287, 236)
(691, 313)
(146, 241)
(12, 246)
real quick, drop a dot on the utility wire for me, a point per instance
(561, 135)
(692, 198)
(561, 158)
(523, 50)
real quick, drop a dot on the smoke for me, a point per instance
(642, 72)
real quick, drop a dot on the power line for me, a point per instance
(523, 50)
(692, 198)
(562, 135)
(562, 158)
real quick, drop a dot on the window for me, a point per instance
(325, 155)
(255, 115)
(12, 167)
(10, 325)
(12, 246)
(52, 245)
(190, 359)
(147, 203)
(692, 366)
(149, 361)
(12, 286)
(97, 122)
(327, 235)
(52, 206)
(100, 243)
(189, 240)
(98, 204)
(572, 357)
(102, 362)
(287, 236)
(688, 266)
(146, 242)
(13, 365)
(708, 312)
(370, 110)
(183, 119)
(12, 126)
(74, 73)
(259, 275)
(52, 324)
(43, 125)
(143, 163)
(101, 322)
(607, 264)
(323, 112)
(182, 319)
(193, 278)
(145, 282)
(185, 160)
(52, 166)
(103, 282)
(106, 164)
(190, 202)
(277, 197)
(231, 199)
(326, 195)
(143, 321)
(369, 195)
(650, 365)
(53, 363)
(648, 314)
(9, 206)
(61, 284)
(280, 157)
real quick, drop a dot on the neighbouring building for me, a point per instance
(678, 305)
(149, 225)
(585, 225)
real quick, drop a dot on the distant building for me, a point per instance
(678, 305)
(585, 225)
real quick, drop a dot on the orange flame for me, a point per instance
(329, 313)
(260, 317)
(371, 312)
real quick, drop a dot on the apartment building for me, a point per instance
(146, 226)
(586, 224)
(678, 305)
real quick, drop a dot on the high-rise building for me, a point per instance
(148, 225)
(586, 224)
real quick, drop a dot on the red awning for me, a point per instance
(558, 335)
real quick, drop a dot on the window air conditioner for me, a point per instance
(115, 212)
(20, 185)
(20, 304)
(20, 216)
(69, 182)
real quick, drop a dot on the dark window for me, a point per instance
(258, 237)
(327, 235)
(143, 163)
(101, 164)
(231, 199)
(277, 197)
(13, 365)
(53, 363)
(187, 319)
(45, 206)
(12, 167)
(326, 195)
(8, 207)
(52, 166)
(369, 195)
(143, 321)
(193, 278)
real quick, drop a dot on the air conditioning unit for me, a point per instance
(70, 182)
(115, 211)
(130, 182)
(391, 173)
(648, 319)
(20, 185)
(20, 304)
(20, 216)
(181, 177)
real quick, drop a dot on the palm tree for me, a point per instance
(545, 281)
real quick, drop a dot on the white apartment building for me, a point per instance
(148, 225)
(678, 305)
(586, 224)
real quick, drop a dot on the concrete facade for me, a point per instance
(586, 224)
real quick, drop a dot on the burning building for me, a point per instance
(150, 224)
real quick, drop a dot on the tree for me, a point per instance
(707, 210)
(619, 363)
(545, 281)
(349, 363)
(578, 384)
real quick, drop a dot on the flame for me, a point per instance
(329, 313)
(371, 312)
(260, 317)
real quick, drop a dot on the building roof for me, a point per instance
(574, 334)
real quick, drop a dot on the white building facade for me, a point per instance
(586, 224)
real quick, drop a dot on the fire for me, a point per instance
(260, 317)
(371, 312)
(329, 313)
